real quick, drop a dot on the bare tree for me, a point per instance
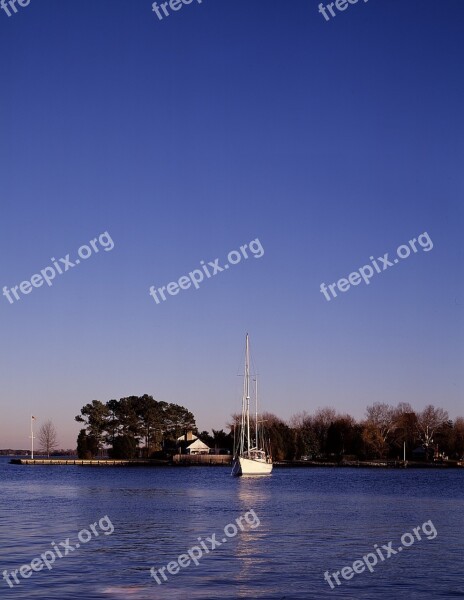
(405, 431)
(458, 437)
(48, 438)
(403, 408)
(300, 420)
(429, 421)
(383, 417)
(373, 440)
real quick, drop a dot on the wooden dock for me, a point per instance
(206, 460)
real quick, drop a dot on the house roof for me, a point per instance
(198, 445)
(190, 436)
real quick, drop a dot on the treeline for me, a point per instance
(139, 426)
(132, 427)
(328, 435)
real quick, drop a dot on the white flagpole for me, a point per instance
(32, 437)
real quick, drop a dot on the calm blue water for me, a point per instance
(311, 521)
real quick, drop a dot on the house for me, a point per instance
(184, 441)
(198, 447)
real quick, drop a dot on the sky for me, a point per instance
(185, 138)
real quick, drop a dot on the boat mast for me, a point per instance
(32, 437)
(256, 414)
(247, 389)
(242, 419)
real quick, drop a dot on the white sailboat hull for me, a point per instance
(248, 466)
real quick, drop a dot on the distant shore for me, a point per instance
(223, 460)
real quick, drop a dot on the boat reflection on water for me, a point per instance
(250, 562)
(254, 494)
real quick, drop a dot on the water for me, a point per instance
(311, 521)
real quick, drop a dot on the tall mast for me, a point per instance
(256, 414)
(32, 437)
(243, 419)
(247, 389)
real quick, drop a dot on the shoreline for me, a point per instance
(225, 461)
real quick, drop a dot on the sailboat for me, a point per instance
(251, 457)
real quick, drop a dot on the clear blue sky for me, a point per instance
(188, 137)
